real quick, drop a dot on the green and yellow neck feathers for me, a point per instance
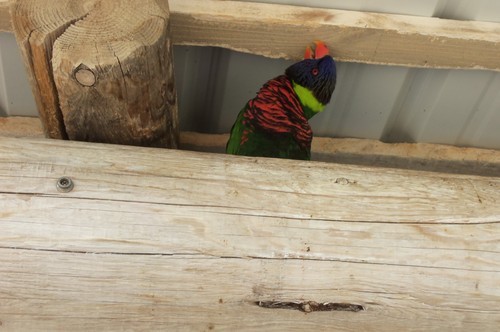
(310, 104)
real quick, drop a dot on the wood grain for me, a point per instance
(5, 24)
(101, 71)
(162, 239)
(61, 291)
(36, 40)
(280, 31)
(20, 126)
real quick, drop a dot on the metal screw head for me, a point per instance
(64, 184)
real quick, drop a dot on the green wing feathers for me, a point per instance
(275, 123)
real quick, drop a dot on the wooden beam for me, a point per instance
(416, 156)
(19, 126)
(5, 24)
(163, 239)
(280, 31)
(101, 71)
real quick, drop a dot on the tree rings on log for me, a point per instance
(101, 70)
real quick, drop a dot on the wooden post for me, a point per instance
(101, 70)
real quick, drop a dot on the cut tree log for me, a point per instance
(157, 239)
(101, 71)
(281, 31)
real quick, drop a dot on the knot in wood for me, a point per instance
(85, 76)
(344, 181)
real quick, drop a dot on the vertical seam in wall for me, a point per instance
(4, 99)
(398, 108)
(217, 79)
(475, 109)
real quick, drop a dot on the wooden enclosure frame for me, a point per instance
(108, 237)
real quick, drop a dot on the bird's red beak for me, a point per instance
(318, 50)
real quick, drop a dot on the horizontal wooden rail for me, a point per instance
(417, 156)
(5, 24)
(281, 31)
(166, 240)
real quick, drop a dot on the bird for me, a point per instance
(275, 122)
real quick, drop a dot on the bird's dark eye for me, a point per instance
(315, 71)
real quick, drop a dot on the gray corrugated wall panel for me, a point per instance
(193, 67)
(480, 10)
(3, 83)
(15, 93)
(440, 105)
(459, 96)
(363, 101)
(483, 127)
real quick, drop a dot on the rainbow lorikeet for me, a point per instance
(275, 123)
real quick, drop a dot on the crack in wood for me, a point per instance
(58, 129)
(191, 255)
(351, 261)
(310, 306)
(253, 213)
(475, 191)
(85, 252)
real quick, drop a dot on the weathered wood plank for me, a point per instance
(5, 24)
(416, 156)
(101, 71)
(221, 231)
(61, 291)
(281, 31)
(311, 190)
(20, 126)
(162, 239)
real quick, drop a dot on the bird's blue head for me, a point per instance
(317, 75)
(314, 78)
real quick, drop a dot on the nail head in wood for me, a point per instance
(85, 76)
(64, 184)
